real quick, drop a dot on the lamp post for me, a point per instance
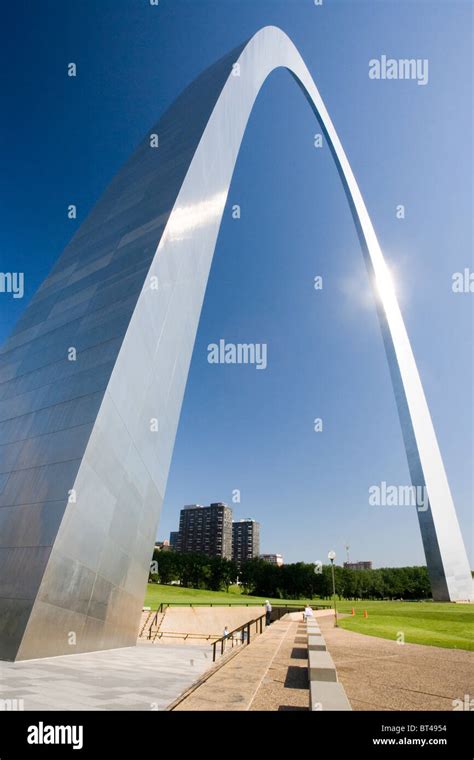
(332, 557)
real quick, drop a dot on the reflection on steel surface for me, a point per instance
(83, 474)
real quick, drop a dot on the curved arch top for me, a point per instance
(128, 292)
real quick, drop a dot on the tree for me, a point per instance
(167, 565)
(348, 583)
(194, 570)
(249, 573)
(222, 572)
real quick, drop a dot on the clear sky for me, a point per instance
(63, 139)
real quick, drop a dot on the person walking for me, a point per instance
(225, 636)
(308, 613)
(268, 612)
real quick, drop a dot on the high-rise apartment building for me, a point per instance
(174, 538)
(245, 540)
(207, 530)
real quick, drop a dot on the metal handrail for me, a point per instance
(245, 638)
(154, 621)
(297, 606)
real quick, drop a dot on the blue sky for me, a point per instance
(240, 428)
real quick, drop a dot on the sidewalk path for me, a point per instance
(269, 674)
(379, 674)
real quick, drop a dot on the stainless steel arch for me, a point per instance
(127, 292)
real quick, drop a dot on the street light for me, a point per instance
(332, 557)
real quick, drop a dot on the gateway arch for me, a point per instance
(93, 376)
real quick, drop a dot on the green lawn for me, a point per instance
(441, 625)
(157, 593)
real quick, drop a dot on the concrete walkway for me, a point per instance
(145, 677)
(269, 674)
(379, 674)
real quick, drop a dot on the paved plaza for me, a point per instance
(145, 677)
(270, 674)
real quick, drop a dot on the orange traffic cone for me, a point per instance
(366, 614)
(353, 612)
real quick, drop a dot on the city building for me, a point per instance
(245, 540)
(367, 565)
(163, 546)
(207, 530)
(174, 538)
(274, 559)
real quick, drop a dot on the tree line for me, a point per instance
(193, 570)
(302, 580)
(299, 580)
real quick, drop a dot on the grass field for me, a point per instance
(175, 594)
(441, 625)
